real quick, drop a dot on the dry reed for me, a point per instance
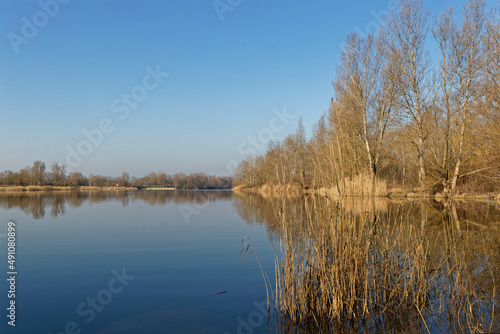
(363, 185)
(338, 271)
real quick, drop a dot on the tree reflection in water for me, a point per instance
(35, 203)
(372, 264)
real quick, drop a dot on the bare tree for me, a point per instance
(355, 86)
(125, 179)
(462, 70)
(151, 179)
(364, 99)
(299, 149)
(58, 174)
(38, 173)
(405, 36)
(91, 180)
(492, 68)
(9, 178)
(76, 179)
(162, 179)
(179, 180)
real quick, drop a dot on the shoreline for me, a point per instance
(265, 191)
(49, 189)
(35, 189)
(395, 194)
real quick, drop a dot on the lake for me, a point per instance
(172, 261)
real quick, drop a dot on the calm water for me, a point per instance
(183, 249)
(163, 261)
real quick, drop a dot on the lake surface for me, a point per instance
(168, 261)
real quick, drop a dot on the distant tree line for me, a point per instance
(38, 175)
(416, 106)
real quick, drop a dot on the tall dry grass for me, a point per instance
(338, 271)
(363, 185)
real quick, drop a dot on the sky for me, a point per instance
(106, 86)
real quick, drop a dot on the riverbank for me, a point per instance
(17, 189)
(396, 193)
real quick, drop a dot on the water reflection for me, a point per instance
(469, 215)
(360, 264)
(36, 204)
(462, 238)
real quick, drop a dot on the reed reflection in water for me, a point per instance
(378, 265)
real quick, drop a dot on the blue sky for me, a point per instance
(226, 76)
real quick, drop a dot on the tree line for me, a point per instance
(38, 175)
(416, 106)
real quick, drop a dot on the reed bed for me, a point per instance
(363, 185)
(337, 271)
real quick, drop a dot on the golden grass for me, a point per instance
(363, 185)
(12, 189)
(338, 271)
